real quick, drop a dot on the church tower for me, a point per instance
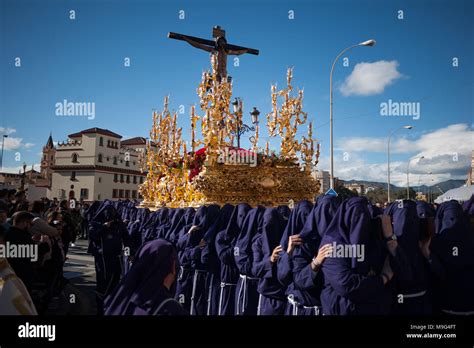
(48, 160)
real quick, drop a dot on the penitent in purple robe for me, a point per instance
(225, 244)
(353, 285)
(272, 299)
(203, 220)
(452, 261)
(142, 291)
(106, 244)
(294, 226)
(246, 296)
(211, 262)
(410, 283)
(308, 284)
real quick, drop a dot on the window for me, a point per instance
(133, 162)
(101, 141)
(120, 193)
(114, 193)
(107, 158)
(84, 193)
(134, 179)
(115, 160)
(74, 158)
(141, 180)
(128, 179)
(121, 177)
(127, 163)
(100, 157)
(134, 194)
(115, 177)
(108, 143)
(44, 158)
(127, 193)
(98, 197)
(73, 175)
(52, 158)
(100, 179)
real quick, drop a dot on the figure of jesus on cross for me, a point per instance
(218, 47)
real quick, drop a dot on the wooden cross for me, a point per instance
(219, 47)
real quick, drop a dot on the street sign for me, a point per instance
(331, 192)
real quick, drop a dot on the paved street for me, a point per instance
(78, 297)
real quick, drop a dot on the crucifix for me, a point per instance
(219, 47)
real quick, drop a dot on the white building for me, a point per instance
(95, 164)
(359, 188)
(324, 178)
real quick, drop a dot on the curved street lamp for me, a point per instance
(388, 158)
(3, 145)
(408, 175)
(331, 145)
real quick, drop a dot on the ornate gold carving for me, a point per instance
(277, 178)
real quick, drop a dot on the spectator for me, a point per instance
(14, 297)
(19, 235)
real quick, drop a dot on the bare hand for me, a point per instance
(276, 254)
(425, 247)
(293, 241)
(323, 252)
(387, 270)
(387, 229)
(202, 243)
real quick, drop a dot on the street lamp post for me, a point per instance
(3, 145)
(388, 159)
(430, 198)
(408, 174)
(242, 128)
(331, 145)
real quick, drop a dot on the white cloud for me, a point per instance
(455, 138)
(446, 151)
(13, 143)
(370, 78)
(6, 130)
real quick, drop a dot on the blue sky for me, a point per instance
(82, 60)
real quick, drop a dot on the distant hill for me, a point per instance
(444, 186)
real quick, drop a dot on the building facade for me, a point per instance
(359, 188)
(324, 180)
(95, 164)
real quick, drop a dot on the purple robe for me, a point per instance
(294, 226)
(352, 285)
(307, 284)
(225, 243)
(142, 291)
(452, 261)
(272, 299)
(410, 283)
(211, 262)
(246, 298)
